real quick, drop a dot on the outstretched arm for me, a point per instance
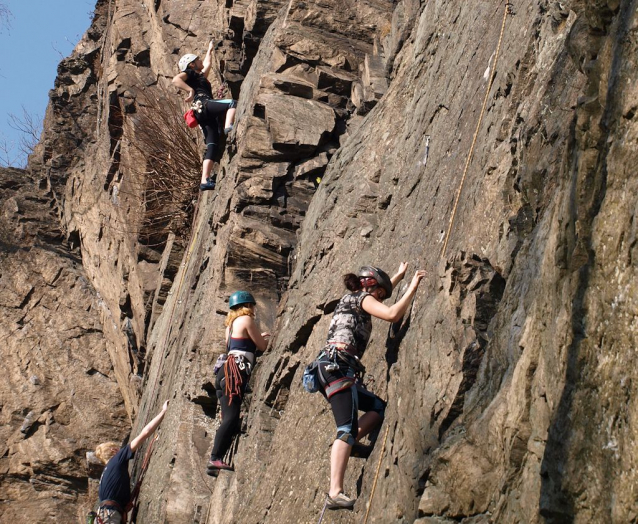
(208, 59)
(395, 312)
(149, 428)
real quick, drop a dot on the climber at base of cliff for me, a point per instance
(243, 340)
(341, 369)
(193, 79)
(115, 484)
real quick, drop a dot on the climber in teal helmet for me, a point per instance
(193, 79)
(243, 341)
(340, 368)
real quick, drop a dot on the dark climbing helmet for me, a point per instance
(239, 298)
(373, 276)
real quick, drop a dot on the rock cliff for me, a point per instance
(510, 381)
(59, 397)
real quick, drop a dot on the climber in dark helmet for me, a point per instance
(341, 369)
(115, 483)
(243, 341)
(193, 79)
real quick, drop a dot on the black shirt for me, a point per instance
(115, 483)
(199, 83)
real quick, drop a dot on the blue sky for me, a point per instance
(41, 33)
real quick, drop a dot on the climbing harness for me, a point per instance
(508, 10)
(328, 359)
(376, 475)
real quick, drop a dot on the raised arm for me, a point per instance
(208, 59)
(399, 274)
(148, 429)
(396, 311)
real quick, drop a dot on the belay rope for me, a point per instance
(376, 475)
(138, 484)
(506, 12)
(147, 456)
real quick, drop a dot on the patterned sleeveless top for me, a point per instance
(351, 324)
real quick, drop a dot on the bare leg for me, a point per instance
(206, 170)
(338, 463)
(230, 117)
(367, 423)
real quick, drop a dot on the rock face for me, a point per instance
(510, 381)
(59, 398)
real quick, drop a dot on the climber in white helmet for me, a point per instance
(193, 79)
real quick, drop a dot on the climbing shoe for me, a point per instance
(228, 129)
(210, 184)
(340, 501)
(360, 451)
(217, 464)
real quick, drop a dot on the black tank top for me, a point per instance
(199, 83)
(242, 344)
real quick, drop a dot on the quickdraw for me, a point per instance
(221, 90)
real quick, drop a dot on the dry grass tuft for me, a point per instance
(165, 161)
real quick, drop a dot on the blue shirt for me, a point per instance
(115, 483)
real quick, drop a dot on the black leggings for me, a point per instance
(209, 123)
(345, 406)
(230, 415)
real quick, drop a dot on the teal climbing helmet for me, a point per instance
(239, 298)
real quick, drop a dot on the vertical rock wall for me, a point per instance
(58, 397)
(509, 382)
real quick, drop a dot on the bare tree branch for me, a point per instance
(30, 128)
(5, 17)
(9, 155)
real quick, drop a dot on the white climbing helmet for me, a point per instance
(185, 60)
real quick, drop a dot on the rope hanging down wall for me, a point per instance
(189, 251)
(506, 12)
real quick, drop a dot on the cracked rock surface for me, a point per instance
(511, 379)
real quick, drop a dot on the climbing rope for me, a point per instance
(176, 301)
(478, 125)
(325, 505)
(138, 484)
(233, 378)
(189, 252)
(376, 475)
